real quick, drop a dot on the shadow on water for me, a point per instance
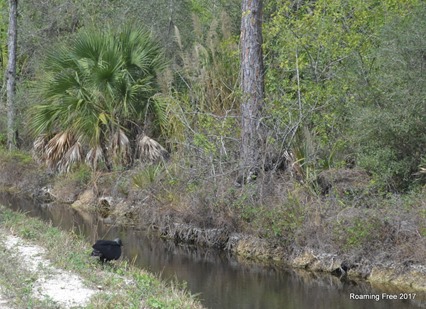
(219, 279)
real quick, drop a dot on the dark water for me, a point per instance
(218, 278)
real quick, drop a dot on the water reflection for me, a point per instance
(219, 279)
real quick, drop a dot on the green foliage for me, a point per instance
(17, 156)
(3, 37)
(100, 79)
(147, 175)
(212, 138)
(156, 303)
(3, 139)
(390, 127)
(82, 174)
(203, 96)
(98, 92)
(315, 50)
(210, 66)
(284, 221)
(422, 228)
(208, 10)
(358, 232)
(243, 204)
(278, 222)
(355, 232)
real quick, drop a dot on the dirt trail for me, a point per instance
(3, 301)
(63, 287)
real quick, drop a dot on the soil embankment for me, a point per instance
(101, 197)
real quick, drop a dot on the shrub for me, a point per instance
(390, 127)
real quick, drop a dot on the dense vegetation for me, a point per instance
(344, 99)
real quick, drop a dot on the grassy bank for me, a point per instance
(338, 214)
(120, 285)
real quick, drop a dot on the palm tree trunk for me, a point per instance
(252, 83)
(11, 74)
(105, 152)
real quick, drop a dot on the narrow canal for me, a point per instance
(217, 278)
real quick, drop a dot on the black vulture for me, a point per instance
(107, 250)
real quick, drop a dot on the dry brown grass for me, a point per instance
(353, 222)
(357, 225)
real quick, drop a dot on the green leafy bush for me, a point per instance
(390, 127)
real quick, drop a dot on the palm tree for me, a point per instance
(98, 97)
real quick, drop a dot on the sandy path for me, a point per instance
(63, 287)
(3, 301)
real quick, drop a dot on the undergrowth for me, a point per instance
(350, 220)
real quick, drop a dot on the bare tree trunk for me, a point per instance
(11, 74)
(252, 83)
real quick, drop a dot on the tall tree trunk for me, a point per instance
(11, 74)
(252, 83)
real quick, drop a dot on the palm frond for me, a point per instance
(150, 150)
(158, 107)
(57, 147)
(120, 147)
(39, 147)
(94, 157)
(74, 155)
